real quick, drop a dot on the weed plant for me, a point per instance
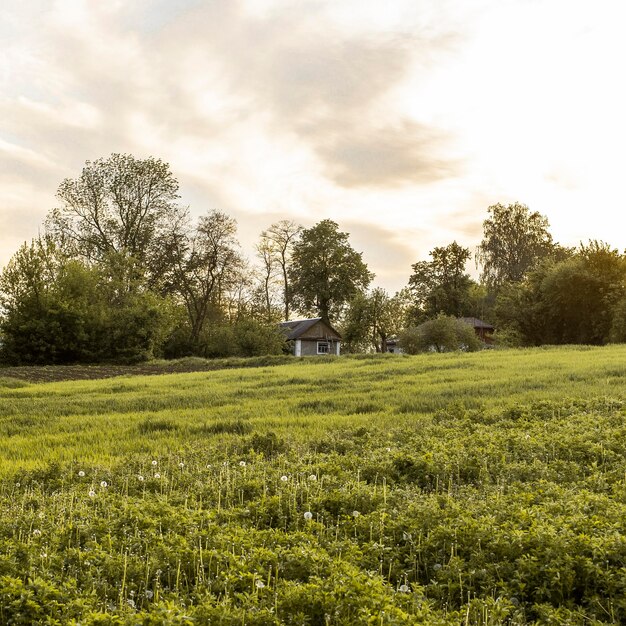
(439, 489)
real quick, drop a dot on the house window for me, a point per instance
(323, 347)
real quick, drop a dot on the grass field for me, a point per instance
(484, 488)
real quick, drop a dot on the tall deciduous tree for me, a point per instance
(268, 276)
(326, 272)
(205, 266)
(118, 207)
(442, 284)
(373, 318)
(275, 250)
(514, 240)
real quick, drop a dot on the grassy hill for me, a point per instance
(483, 488)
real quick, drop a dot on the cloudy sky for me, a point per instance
(402, 120)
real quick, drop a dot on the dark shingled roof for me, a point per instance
(295, 328)
(476, 323)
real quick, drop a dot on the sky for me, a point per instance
(401, 120)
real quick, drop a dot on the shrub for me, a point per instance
(442, 334)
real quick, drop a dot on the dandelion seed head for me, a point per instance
(149, 594)
(403, 588)
(130, 602)
(181, 465)
(284, 478)
(259, 584)
(92, 493)
(104, 484)
(140, 478)
(81, 473)
(437, 566)
(155, 463)
(37, 532)
(312, 477)
(17, 485)
(308, 515)
(242, 463)
(355, 514)
(157, 475)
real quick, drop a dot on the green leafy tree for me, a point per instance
(119, 207)
(514, 241)
(372, 319)
(326, 272)
(205, 266)
(576, 300)
(441, 334)
(60, 310)
(442, 284)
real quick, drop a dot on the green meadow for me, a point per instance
(485, 488)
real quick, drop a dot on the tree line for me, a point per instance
(122, 273)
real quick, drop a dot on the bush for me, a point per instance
(442, 334)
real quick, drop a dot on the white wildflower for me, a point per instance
(312, 477)
(181, 465)
(308, 515)
(259, 584)
(242, 463)
(37, 532)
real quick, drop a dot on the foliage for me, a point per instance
(489, 491)
(372, 319)
(118, 206)
(244, 338)
(58, 310)
(572, 301)
(325, 271)
(442, 334)
(205, 267)
(441, 285)
(514, 241)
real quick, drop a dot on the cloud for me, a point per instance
(240, 102)
(386, 157)
(300, 76)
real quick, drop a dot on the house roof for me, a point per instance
(295, 328)
(476, 323)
